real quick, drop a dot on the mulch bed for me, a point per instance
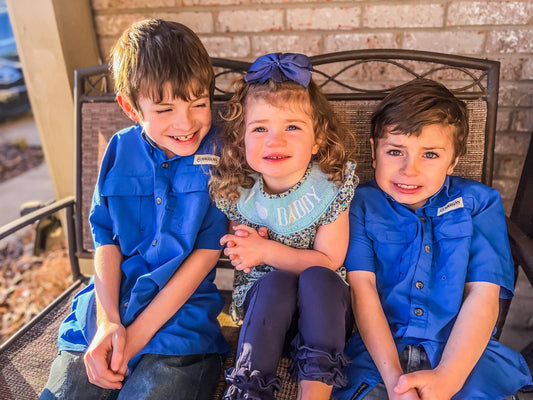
(28, 282)
(19, 157)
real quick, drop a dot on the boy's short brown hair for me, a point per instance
(416, 104)
(152, 52)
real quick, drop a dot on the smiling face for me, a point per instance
(412, 168)
(279, 142)
(176, 126)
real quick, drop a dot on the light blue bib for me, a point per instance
(291, 212)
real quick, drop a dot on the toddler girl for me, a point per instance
(285, 182)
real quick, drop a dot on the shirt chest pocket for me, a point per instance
(453, 239)
(449, 230)
(130, 203)
(392, 249)
(187, 205)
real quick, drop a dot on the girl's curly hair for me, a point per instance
(233, 171)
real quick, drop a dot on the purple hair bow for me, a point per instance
(280, 67)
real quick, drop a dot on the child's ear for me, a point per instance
(128, 108)
(452, 166)
(373, 153)
(318, 142)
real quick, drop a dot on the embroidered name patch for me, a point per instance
(452, 205)
(206, 159)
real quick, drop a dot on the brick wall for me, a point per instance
(244, 29)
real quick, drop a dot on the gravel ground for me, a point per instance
(30, 279)
(16, 158)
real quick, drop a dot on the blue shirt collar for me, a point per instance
(444, 190)
(148, 140)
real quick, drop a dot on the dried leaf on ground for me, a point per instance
(16, 158)
(29, 283)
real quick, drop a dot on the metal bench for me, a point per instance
(354, 82)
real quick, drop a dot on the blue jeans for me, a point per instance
(411, 359)
(309, 313)
(192, 377)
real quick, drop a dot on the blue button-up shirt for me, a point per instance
(157, 210)
(422, 260)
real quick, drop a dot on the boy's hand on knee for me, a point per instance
(429, 384)
(103, 358)
(408, 394)
(411, 394)
(133, 345)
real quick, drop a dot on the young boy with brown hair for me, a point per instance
(428, 260)
(146, 326)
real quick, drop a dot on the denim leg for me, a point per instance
(68, 380)
(270, 306)
(325, 320)
(414, 358)
(378, 392)
(191, 377)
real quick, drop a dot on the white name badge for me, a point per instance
(452, 205)
(206, 159)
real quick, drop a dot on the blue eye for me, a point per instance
(292, 128)
(394, 153)
(259, 129)
(431, 155)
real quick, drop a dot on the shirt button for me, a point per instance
(427, 248)
(154, 242)
(165, 165)
(126, 304)
(419, 312)
(158, 200)
(419, 285)
(422, 219)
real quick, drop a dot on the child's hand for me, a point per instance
(103, 358)
(262, 231)
(409, 395)
(244, 248)
(429, 384)
(134, 344)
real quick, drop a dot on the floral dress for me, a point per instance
(291, 217)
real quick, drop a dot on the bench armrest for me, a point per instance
(521, 248)
(66, 203)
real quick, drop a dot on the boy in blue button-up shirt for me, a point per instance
(428, 259)
(146, 326)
